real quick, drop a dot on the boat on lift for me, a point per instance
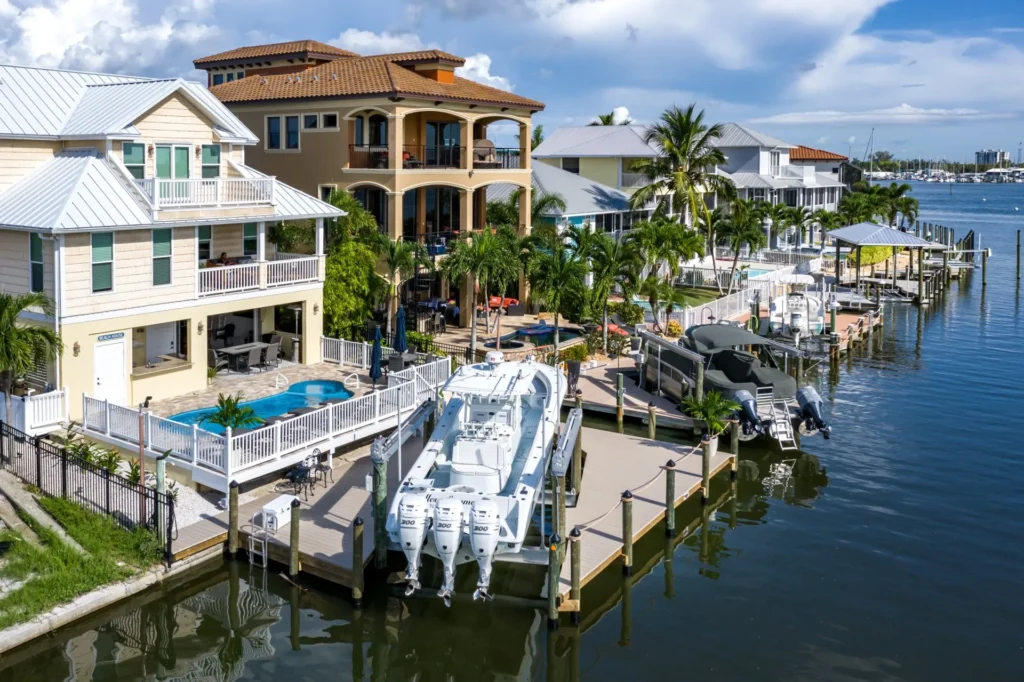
(471, 493)
(797, 311)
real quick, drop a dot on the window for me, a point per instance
(134, 156)
(240, 75)
(329, 122)
(606, 222)
(291, 132)
(757, 195)
(35, 257)
(102, 261)
(358, 139)
(310, 121)
(211, 160)
(161, 257)
(205, 235)
(250, 239)
(325, 192)
(835, 170)
(273, 132)
(231, 77)
(775, 156)
(571, 164)
(218, 78)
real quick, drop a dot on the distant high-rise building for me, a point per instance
(991, 157)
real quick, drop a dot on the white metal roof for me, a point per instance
(612, 141)
(108, 109)
(290, 203)
(873, 234)
(582, 196)
(735, 135)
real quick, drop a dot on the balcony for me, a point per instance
(249, 276)
(488, 157)
(368, 156)
(418, 156)
(207, 192)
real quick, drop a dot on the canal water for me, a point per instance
(903, 562)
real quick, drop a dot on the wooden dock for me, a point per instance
(616, 463)
(599, 395)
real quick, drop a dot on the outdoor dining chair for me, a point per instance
(270, 356)
(252, 361)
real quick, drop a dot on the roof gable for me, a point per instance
(873, 234)
(735, 135)
(299, 48)
(610, 141)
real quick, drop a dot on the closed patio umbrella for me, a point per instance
(375, 358)
(401, 345)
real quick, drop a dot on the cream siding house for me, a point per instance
(117, 196)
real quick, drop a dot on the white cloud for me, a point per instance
(620, 115)
(368, 42)
(478, 68)
(100, 35)
(822, 140)
(904, 113)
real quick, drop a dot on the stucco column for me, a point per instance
(466, 140)
(396, 141)
(465, 211)
(525, 204)
(525, 139)
(421, 211)
(395, 215)
(312, 327)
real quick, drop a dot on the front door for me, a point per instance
(108, 372)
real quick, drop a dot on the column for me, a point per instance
(261, 253)
(394, 218)
(421, 211)
(525, 140)
(465, 211)
(396, 141)
(312, 327)
(321, 266)
(525, 227)
(466, 140)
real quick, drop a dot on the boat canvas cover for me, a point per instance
(708, 338)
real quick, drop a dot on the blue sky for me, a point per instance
(935, 78)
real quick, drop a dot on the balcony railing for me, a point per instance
(416, 156)
(368, 156)
(249, 276)
(497, 158)
(190, 192)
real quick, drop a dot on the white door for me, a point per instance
(108, 372)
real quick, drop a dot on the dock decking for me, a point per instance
(599, 394)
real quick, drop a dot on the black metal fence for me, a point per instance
(56, 473)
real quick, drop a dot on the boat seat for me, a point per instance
(481, 464)
(715, 380)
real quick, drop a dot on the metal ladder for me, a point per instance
(258, 541)
(783, 426)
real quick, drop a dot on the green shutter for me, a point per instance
(102, 247)
(204, 232)
(102, 279)
(181, 162)
(161, 243)
(163, 162)
(35, 247)
(161, 271)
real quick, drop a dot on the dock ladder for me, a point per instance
(258, 540)
(778, 412)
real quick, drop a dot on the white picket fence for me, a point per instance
(351, 353)
(36, 414)
(727, 307)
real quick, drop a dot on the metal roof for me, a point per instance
(582, 196)
(108, 109)
(873, 234)
(290, 203)
(596, 141)
(735, 135)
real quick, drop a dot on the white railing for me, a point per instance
(176, 193)
(634, 180)
(728, 307)
(227, 278)
(773, 275)
(766, 255)
(292, 271)
(350, 353)
(36, 414)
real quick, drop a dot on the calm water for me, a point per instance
(905, 564)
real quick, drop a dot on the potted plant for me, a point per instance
(211, 374)
(713, 409)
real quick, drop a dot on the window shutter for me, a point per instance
(101, 277)
(161, 271)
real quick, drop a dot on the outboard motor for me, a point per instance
(447, 539)
(811, 420)
(413, 513)
(750, 420)
(484, 529)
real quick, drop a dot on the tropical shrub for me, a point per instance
(577, 353)
(869, 255)
(713, 409)
(627, 312)
(230, 413)
(424, 342)
(674, 328)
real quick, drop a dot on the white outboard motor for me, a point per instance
(413, 518)
(484, 529)
(750, 420)
(811, 421)
(447, 539)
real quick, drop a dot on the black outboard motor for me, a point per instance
(750, 420)
(811, 420)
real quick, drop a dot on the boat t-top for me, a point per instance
(471, 493)
(797, 312)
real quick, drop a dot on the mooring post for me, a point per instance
(233, 519)
(698, 390)
(1018, 254)
(627, 533)
(620, 391)
(920, 277)
(705, 471)
(357, 562)
(670, 498)
(554, 545)
(577, 449)
(984, 267)
(652, 420)
(380, 504)
(574, 568)
(734, 448)
(293, 548)
(944, 279)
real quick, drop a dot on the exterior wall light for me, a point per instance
(76, 349)
(199, 328)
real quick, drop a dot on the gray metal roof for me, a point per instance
(788, 181)
(290, 203)
(612, 141)
(735, 135)
(51, 103)
(873, 234)
(582, 196)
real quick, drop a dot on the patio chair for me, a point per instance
(270, 356)
(396, 363)
(322, 468)
(301, 476)
(215, 361)
(252, 361)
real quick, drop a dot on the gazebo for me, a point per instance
(873, 234)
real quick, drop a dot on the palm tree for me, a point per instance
(663, 244)
(503, 271)
(472, 255)
(891, 197)
(713, 409)
(536, 138)
(230, 413)
(23, 345)
(740, 225)
(613, 264)
(557, 280)
(800, 218)
(398, 259)
(657, 291)
(907, 208)
(826, 220)
(609, 120)
(777, 216)
(709, 225)
(542, 205)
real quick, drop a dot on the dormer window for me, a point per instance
(218, 79)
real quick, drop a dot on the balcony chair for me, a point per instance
(484, 155)
(215, 361)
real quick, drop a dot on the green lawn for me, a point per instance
(696, 297)
(56, 573)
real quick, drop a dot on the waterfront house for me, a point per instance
(128, 201)
(603, 154)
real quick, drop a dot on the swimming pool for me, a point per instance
(541, 335)
(302, 394)
(751, 272)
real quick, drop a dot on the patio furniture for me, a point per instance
(270, 356)
(302, 410)
(301, 476)
(484, 155)
(243, 353)
(322, 468)
(215, 361)
(396, 363)
(515, 310)
(275, 420)
(252, 360)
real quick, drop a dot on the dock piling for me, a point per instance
(670, 498)
(620, 391)
(357, 562)
(627, 533)
(626, 628)
(698, 390)
(652, 420)
(577, 449)
(734, 448)
(1018, 254)
(705, 471)
(293, 546)
(380, 505)
(233, 519)
(984, 267)
(554, 546)
(574, 571)
(560, 503)
(921, 300)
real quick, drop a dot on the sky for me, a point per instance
(934, 78)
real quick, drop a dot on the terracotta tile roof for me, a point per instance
(418, 56)
(377, 75)
(801, 153)
(296, 47)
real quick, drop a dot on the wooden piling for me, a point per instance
(984, 268)
(233, 519)
(380, 507)
(670, 498)
(620, 392)
(357, 562)
(577, 449)
(920, 277)
(627, 533)
(705, 471)
(575, 558)
(669, 561)
(554, 545)
(698, 390)
(626, 628)
(734, 448)
(293, 546)
(652, 420)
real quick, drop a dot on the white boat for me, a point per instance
(797, 311)
(471, 493)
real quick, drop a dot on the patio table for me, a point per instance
(235, 352)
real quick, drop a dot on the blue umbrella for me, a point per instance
(375, 358)
(401, 345)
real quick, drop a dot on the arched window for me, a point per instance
(359, 131)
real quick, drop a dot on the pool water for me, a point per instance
(541, 335)
(302, 394)
(752, 272)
